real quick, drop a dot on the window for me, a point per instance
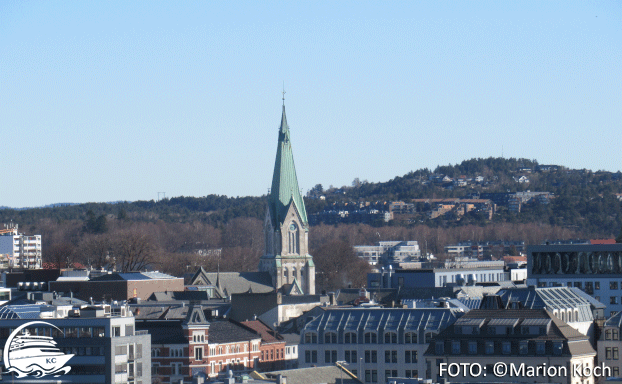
(506, 347)
(155, 367)
(116, 331)
(390, 356)
(439, 347)
(492, 330)
(390, 373)
(310, 356)
(608, 334)
(410, 356)
(330, 337)
(608, 353)
(490, 347)
(613, 285)
(390, 338)
(616, 371)
(613, 300)
(294, 247)
(350, 338)
(198, 353)
(411, 373)
(557, 347)
(597, 285)
(410, 338)
(311, 338)
(472, 347)
(455, 347)
(615, 334)
(330, 356)
(540, 348)
(351, 357)
(371, 338)
(615, 353)
(523, 348)
(371, 356)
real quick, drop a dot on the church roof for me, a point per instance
(284, 181)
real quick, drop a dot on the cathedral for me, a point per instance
(286, 227)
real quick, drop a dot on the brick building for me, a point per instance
(272, 346)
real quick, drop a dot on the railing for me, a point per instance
(141, 333)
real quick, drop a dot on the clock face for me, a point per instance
(292, 227)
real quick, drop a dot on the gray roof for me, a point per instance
(163, 332)
(551, 298)
(28, 311)
(228, 331)
(330, 374)
(381, 319)
(577, 343)
(229, 283)
(132, 276)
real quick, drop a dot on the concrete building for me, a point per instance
(286, 227)
(102, 338)
(527, 337)
(18, 250)
(120, 286)
(595, 269)
(376, 343)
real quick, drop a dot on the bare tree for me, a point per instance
(94, 250)
(133, 250)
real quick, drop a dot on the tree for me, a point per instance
(133, 250)
(337, 266)
(61, 255)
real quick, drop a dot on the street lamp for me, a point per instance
(340, 364)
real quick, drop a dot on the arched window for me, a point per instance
(294, 276)
(390, 338)
(330, 338)
(286, 275)
(410, 338)
(294, 244)
(350, 338)
(371, 338)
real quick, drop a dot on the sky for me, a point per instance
(119, 100)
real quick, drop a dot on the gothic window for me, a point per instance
(294, 244)
(294, 276)
(286, 275)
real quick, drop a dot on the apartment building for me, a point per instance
(18, 250)
(529, 338)
(377, 343)
(102, 339)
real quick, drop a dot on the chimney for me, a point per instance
(331, 298)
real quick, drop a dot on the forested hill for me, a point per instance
(584, 200)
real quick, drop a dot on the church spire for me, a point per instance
(284, 180)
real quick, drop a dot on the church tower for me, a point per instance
(286, 227)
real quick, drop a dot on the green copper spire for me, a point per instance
(284, 181)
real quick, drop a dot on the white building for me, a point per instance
(18, 250)
(387, 252)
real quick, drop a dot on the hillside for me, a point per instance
(582, 200)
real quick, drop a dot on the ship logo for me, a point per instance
(32, 355)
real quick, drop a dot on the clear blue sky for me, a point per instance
(104, 101)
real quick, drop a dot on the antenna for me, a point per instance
(163, 195)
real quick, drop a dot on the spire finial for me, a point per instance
(283, 92)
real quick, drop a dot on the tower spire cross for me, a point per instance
(284, 93)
